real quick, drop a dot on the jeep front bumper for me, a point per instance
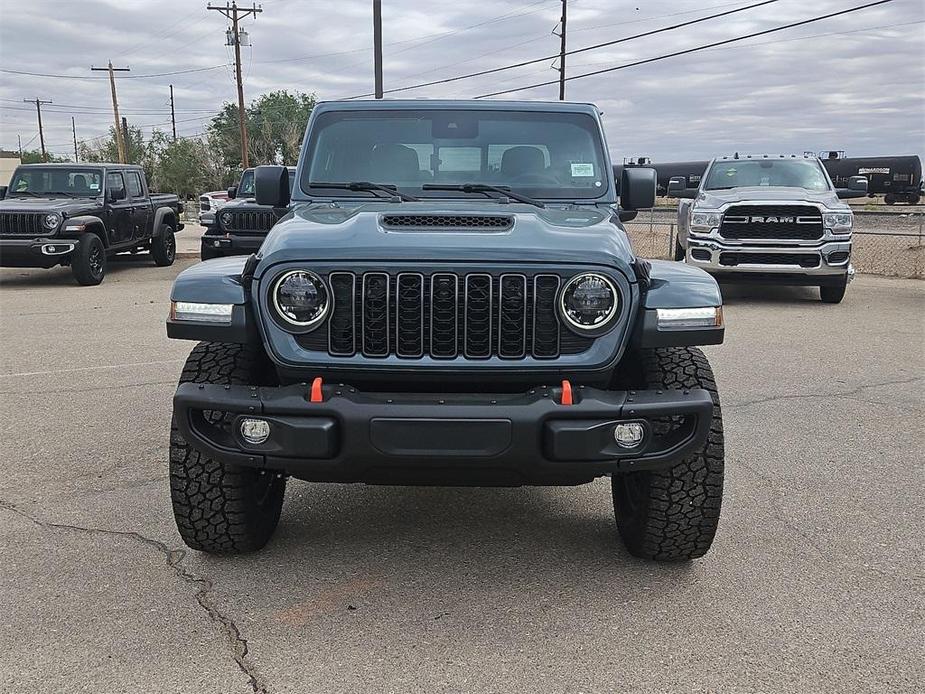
(827, 261)
(232, 244)
(35, 252)
(426, 438)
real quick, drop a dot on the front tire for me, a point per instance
(672, 514)
(88, 261)
(833, 294)
(220, 508)
(678, 251)
(164, 247)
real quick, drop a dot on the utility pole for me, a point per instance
(235, 14)
(38, 109)
(377, 45)
(120, 143)
(125, 137)
(562, 50)
(19, 138)
(74, 133)
(173, 115)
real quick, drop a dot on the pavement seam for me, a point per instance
(174, 559)
(843, 394)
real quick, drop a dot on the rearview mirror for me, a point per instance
(857, 188)
(637, 188)
(677, 188)
(271, 186)
(232, 192)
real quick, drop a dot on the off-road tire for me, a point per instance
(833, 294)
(164, 246)
(672, 514)
(220, 508)
(678, 250)
(88, 261)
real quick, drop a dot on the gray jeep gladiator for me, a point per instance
(82, 214)
(451, 299)
(770, 219)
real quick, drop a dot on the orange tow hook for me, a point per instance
(316, 394)
(566, 393)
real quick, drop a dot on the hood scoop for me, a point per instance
(447, 222)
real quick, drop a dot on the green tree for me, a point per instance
(187, 166)
(34, 156)
(105, 149)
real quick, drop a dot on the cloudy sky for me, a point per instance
(855, 82)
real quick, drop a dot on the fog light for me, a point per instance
(255, 431)
(629, 435)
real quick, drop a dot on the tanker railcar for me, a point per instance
(898, 179)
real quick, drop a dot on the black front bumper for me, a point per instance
(425, 438)
(29, 252)
(231, 244)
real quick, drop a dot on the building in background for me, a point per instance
(8, 163)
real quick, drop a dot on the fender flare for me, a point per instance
(88, 224)
(160, 214)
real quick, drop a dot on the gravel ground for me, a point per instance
(814, 584)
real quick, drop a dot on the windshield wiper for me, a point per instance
(365, 186)
(483, 188)
(28, 192)
(69, 194)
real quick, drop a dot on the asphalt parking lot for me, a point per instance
(815, 582)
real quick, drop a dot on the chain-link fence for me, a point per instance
(890, 244)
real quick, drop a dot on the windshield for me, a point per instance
(791, 173)
(543, 155)
(57, 180)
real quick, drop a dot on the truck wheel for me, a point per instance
(164, 247)
(889, 199)
(835, 293)
(88, 261)
(678, 250)
(672, 514)
(219, 508)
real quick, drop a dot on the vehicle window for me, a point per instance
(114, 181)
(246, 187)
(540, 154)
(134, 184)
(740, 173)
(291, 179)
(57, 181)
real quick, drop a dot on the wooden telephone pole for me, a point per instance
(377, 46)
(120, 142)
(173, 115)
(38, 109)
(562, 50)
(74, 133)
(236, 14)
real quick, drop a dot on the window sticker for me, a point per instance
(582, 170)
(94, 186)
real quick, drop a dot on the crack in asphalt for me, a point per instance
(174, 559)
(843, 394)
(61, 391)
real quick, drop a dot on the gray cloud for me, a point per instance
(855, 82)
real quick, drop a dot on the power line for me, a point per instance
(693, 50)
(130, 77)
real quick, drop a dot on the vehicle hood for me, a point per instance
(68, 206)
(583, 235)
(714, 199)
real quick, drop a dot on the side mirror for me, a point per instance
(857, 188)
(232, 192)
(677, 188)
(3, 190)
(271, 186)
(116, 194)
(637, 188)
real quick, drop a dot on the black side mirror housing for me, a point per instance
(232, 192)
(3, 190)
(677, 188)
(271, 186)
(637, 188)
(857, 188)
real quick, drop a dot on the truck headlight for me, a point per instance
(201, 312)
(704, 222)
(300, 298)
(589, 301)
(838, 222)
(51, 221)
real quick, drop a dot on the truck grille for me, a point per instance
(203, 204)
(772, 222)
(248, 221)
(444, 315)
(806, 260)
(25, 223)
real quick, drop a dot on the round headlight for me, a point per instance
(226, 218)
(589, 301)
(51, 221)
(301, 299)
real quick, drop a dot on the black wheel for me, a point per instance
(88, 261)
(164, 246)
(889, 199)
(678, 250)
(218, 508)
(672, 514)
(206, 253)
(833, 294)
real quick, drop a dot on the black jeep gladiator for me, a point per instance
(80, 214)
(241, 225)
(451, 300)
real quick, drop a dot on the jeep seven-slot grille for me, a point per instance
(772, 222)
(444, 315)
(253, 221)
(26, 223)
(447, 221)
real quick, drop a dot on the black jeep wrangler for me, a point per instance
(80, 214)
(241, 225)
(451, 300)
